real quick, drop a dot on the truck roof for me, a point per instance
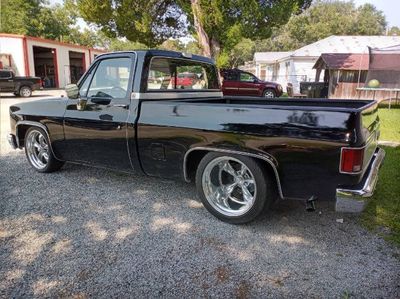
(164, 53)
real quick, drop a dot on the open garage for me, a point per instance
(44, 62)
(56, 63)
(76, 65)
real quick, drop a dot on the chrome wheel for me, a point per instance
(269, 94)
(229, 186)
(25, 92)
(37, 149)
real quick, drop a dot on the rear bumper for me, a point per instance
(12, 140)
(352, 199)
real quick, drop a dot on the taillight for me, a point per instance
(352, 160)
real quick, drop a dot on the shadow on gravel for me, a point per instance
(93, 233)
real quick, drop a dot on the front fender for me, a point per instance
(47, 114)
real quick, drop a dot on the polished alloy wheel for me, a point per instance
(37, 149)
(229, 186)
(25, 91)
(269, 94)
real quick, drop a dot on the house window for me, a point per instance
(352, 76)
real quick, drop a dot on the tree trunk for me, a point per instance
(204, 40)
(215, 47)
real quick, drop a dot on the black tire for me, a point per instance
(263, 184)
(25, 91)
(52, 164)
(269, 93)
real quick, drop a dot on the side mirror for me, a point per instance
(72, 91)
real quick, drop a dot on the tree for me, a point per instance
(394, 31)
(218, 25)
(36, 18)
(243, 51)
(322, 19)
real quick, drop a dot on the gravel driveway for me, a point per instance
(86, 232)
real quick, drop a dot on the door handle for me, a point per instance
(120, 105)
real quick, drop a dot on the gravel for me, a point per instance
(87, 232)
(84, 232)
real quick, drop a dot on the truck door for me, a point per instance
(248, 85)
(230, 84)
(6, 81)
(95, 124)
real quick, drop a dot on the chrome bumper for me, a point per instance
(346, 197)
(12, 141)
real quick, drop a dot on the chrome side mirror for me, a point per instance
(72, 91)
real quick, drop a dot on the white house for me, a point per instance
(57, 63)
(297, 66)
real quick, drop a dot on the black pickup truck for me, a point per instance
(20, 86)
(130, 113)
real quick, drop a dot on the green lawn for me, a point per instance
(383, 210)
(390, 124)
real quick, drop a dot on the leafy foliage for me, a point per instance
(394, 31)
(323, 19)
(36, 18)
(150, 22)
(218, 25)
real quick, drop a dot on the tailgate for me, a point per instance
(370, 132)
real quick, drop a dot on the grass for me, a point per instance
(383, 210)
(382, 213)
(390, 124)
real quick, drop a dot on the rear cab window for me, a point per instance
(173, 74)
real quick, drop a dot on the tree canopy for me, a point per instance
(37, 18)
(218, 25)
(322, 19)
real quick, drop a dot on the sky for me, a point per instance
(391, 9)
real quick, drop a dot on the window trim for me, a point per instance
(180, 90)
(95, 66)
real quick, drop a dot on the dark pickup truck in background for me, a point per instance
(129, 112)
(20, 86)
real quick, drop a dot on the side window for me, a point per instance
(111, 78)
(245, 77)
(5, 74)
(230, 76)
(181, 74)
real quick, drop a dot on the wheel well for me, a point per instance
(269, 88)
(21, 132)
(193, 159)
(192, 162)
(24, 85)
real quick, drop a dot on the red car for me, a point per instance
(186, 79)
(239, 83)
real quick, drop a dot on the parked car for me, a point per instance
(240, 83)
(20, 86)
(242, 152)
(186, 80)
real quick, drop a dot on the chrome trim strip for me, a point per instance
(369, 186)
(247, 88)
(257, 156)
(34, 124)
(358, 148)
(175, 95)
